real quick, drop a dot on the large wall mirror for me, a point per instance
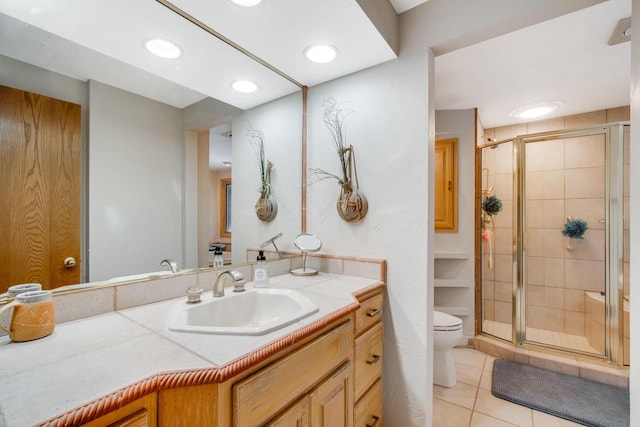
(153, 136)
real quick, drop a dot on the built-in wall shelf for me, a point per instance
(454, 311)
(450, 255)
(452, 283)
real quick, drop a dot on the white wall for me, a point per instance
(190, 219)
(389, 132)
(459, 124)
(635, 214)
(281, 123)
(214, 225)
(135, 183)
(204, 200)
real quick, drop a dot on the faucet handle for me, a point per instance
(238, 281)
(193, 294)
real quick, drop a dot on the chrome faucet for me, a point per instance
(172, 264)
(238, 282)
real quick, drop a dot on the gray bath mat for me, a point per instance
(576, 399)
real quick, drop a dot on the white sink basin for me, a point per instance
(253, 312)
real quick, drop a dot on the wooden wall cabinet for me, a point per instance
(446, 185)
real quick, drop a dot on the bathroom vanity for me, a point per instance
(126, 368)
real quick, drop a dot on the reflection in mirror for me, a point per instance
(272, 241)
(306, 243)
(145, 190)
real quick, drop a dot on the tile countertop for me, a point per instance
(84, 360)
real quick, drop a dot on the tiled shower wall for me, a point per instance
(564, 178)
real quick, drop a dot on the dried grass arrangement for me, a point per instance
(266, 207)
(352, 205)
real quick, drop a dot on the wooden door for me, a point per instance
(39, 189)
(332, 401)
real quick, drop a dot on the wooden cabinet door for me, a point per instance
(332, 401)
(39, 189)
(295, 416)
(188, 406)
(139, 413)
(446, 185)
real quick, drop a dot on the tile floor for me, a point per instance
(470, 402)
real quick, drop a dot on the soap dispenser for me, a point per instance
(217, 258)
(261, 275)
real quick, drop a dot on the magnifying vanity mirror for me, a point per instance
(306, 243)
(144, 190)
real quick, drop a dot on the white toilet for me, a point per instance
(447, 331)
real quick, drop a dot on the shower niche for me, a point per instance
(553, 243)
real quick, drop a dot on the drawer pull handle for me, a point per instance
(373, 359)
(374, 421)
(373, 313)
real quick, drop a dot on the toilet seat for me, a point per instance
(445, 322)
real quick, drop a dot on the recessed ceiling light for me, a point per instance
(227, 164)
(244, 86)
(163, 48)
(247, 3)
(535, 110)
(321, 54)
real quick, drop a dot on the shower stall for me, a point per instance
(553, 240)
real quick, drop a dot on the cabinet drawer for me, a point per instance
(369, 313)
(368, 411)
(265, 393)
(368, 359)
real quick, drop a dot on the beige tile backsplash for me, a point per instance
(99, 300)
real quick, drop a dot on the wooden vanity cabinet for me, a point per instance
(320, 371)
(188, 406)
(332, 379)
(368, 361)
(297, 415)
(139, 413)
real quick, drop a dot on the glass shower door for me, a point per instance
(496, 240)
(564, 241)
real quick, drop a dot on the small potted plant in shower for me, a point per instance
(492, 205)
(574, 228)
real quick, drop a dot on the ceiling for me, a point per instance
(404, 5)
(565, 59)
(103, 40)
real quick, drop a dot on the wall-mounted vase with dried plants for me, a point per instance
(266, 207)
(352, 205)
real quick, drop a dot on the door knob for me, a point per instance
(69, 262)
